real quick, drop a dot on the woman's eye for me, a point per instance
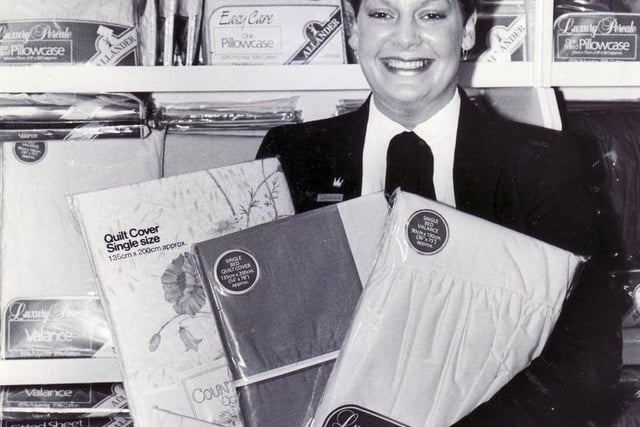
(379, 14)
(433, 15)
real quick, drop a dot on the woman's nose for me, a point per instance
(406, 34)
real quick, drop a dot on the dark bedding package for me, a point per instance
(285, 293)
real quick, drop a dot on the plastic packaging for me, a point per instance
(455, 306)
(139, 238)
(200, 117)
(48, 293)
(69, 32)
(63, 401)
(57, 117)
(166, 24)
(188, 22)
(148, 18)
(274, 32)
(285, 293)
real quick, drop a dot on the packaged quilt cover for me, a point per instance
(273, 32)
(139, 238)
(96, 32)
(286, 292)
(454, 308)
(48, 293)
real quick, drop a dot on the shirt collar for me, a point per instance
(431, 129)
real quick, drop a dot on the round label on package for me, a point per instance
(427, 232)
(30, 152)
(236, 271)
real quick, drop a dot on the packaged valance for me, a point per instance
(48, 294)
(455, 306)
(285, 293)
(139, 238)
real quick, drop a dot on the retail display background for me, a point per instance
(532, 85)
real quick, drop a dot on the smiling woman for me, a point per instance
(409, 51)
(419, 131)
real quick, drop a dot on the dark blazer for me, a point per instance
(531, 179)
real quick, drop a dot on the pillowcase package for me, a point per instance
(48, 294)
(139, 238)
(455, 306)
(92, 32)
(273, 32)
(285, 293)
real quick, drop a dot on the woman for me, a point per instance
(524, 177)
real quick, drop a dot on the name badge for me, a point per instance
(330, 197)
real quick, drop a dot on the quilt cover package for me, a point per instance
(455, 306)
(139, 238)
(48, 293)
(96, 32)
(273, 32)
(285, 293)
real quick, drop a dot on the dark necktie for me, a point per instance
(410, 166)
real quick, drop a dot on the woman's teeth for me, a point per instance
(406, 65)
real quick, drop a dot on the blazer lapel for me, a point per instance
(476, 161)
(348, 150)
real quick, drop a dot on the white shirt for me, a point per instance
(439, 131)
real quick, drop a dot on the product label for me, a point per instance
(427, 232)
(278, 34)
(133, 242)
(84, 422)
(55, 328)
(355, 416)
(505, 43)
(30, 152)
(67, 42)
(236, 271)
(596, 36)
(210, 391)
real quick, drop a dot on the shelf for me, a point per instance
(609, 74)
(64, 78)
(59, 371)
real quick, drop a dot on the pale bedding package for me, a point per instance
(139, 238)
(275, 32)
(455, 306)
(48, 296)
(97, 32)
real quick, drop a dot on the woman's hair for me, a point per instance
(467, 7)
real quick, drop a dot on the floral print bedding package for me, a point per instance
(455, 306)
(48, 294)
(286, 292)
(97, 32)
(139, 238)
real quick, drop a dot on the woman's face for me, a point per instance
(409, 51)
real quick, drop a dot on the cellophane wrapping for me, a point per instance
(454, 308)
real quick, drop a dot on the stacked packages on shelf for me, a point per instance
(596, 30)
(208, 133)
(101, 404)
(53, 146)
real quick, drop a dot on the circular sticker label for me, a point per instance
(30, 152)
(236, 271)
(427, 232)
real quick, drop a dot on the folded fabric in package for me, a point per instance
(69, 32)
(48, 294)
(455, 306)
(139, 238)
(273, 32)
(285, 293)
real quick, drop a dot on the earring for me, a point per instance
(465, 54)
